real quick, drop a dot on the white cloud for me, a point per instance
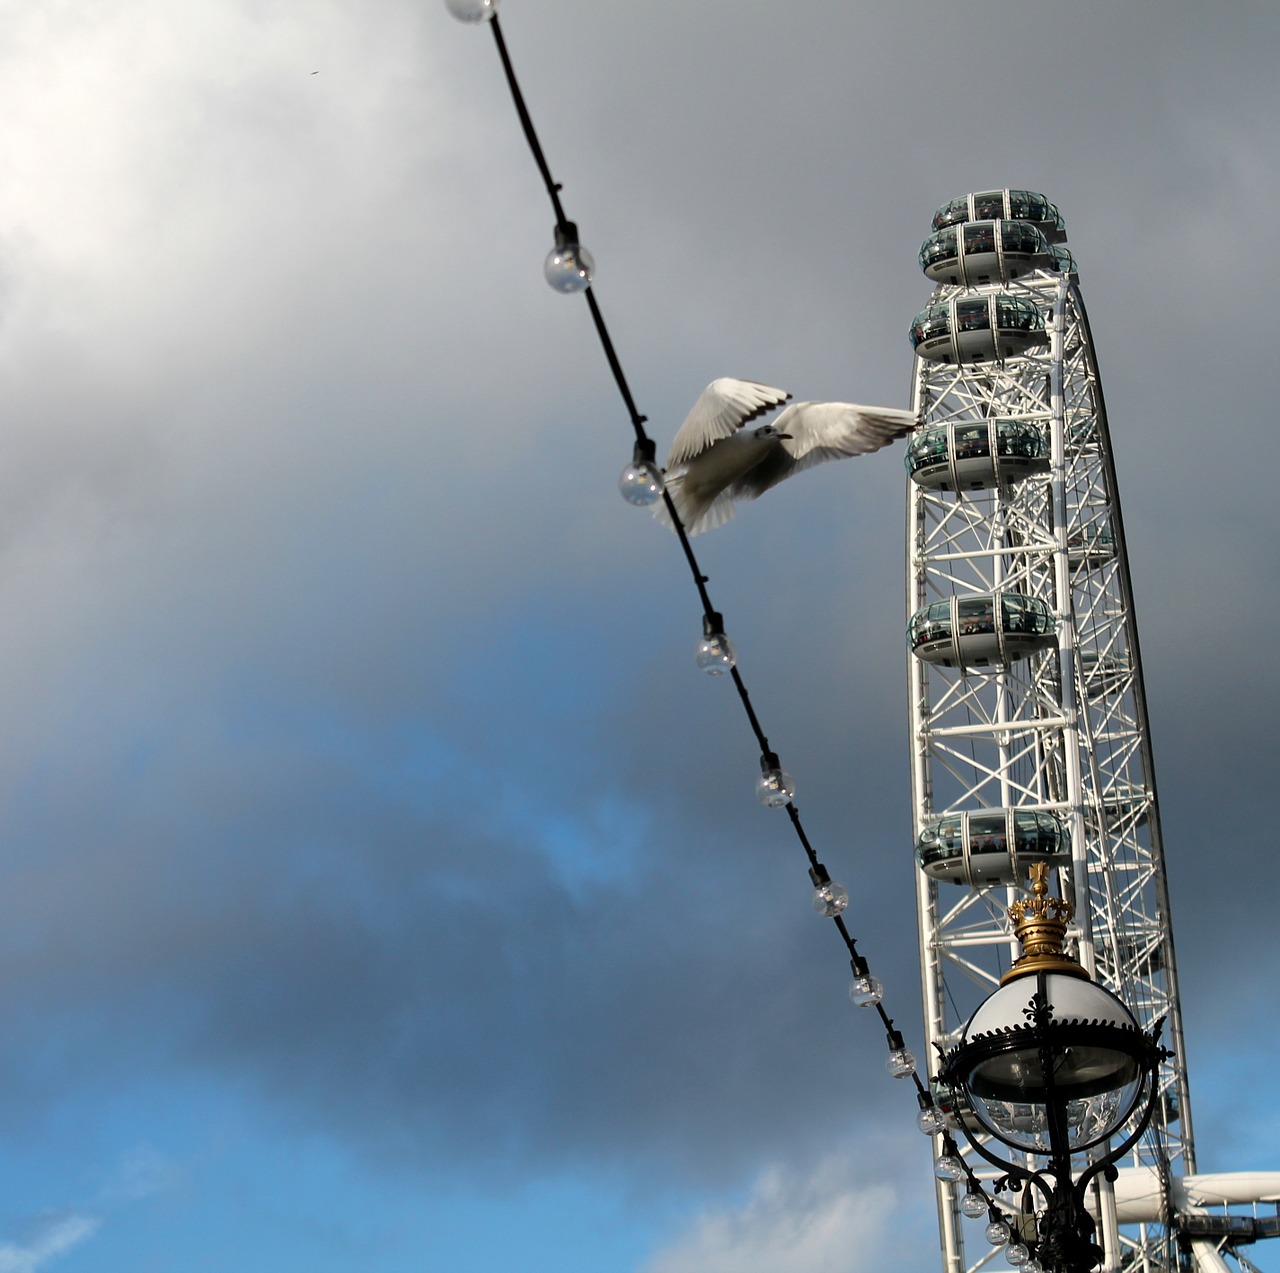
(55, 1236)
(832, 1219)
(141, 1172)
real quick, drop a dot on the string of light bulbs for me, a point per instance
(569, 268)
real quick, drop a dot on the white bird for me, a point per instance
(715, 461)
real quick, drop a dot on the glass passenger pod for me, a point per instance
(986, 630)
(1063, 261)
(1091, 545)
(991, 846)
(985, 252)
(1008, 205)
(970, 454)
(978, 329)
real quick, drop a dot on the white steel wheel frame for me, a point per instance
(1063, 732)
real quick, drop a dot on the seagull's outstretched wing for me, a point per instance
(724, 407)
(822, 431)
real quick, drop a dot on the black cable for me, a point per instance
(526, 122)
(712, 620)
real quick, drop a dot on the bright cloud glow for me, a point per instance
(830, 1221)
(55, 1236)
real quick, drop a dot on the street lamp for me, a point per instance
(1053, 1066)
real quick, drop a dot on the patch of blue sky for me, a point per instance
(599, 844)
(524, 763)
(1232, 1135)
(184, 1175)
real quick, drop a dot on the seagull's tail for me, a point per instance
(694, 518)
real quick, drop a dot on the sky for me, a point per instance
(384, 886)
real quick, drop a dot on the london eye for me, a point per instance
(1030, 741)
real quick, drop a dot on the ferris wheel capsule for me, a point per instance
(988, 630)
(991, 846)
(974, 454)
(980, 252)
(968, 329)
(1014, 205)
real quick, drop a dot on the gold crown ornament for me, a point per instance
(1040, 924)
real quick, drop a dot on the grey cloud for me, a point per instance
(339, 679)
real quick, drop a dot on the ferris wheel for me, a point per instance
(1028, 715)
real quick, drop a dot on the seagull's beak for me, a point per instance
(779, 436)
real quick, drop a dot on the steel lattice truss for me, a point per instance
(1063, 732)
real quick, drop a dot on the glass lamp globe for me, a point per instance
(472, 10)
(973, 1205)
(1048, 1008)
(866, 991)
(1097, 1078)
(1016, 1254)
(947, 1167)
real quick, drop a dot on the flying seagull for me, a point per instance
(715, 461)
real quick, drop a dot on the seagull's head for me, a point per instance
(769, 433)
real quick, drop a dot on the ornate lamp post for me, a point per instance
(1053, 1065)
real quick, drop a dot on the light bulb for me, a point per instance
(1016, 1254)
(866, 991)
(948, 1167)
(472, 10)
(930, 1121)
(830, 899)
(715, 654)
(569, 267)
(973, 1205)
(641, 483)
(1032, 1265)
(998, 1233)
(775, 788)
(901, 1064)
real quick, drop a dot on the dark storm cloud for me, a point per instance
(355, 748)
